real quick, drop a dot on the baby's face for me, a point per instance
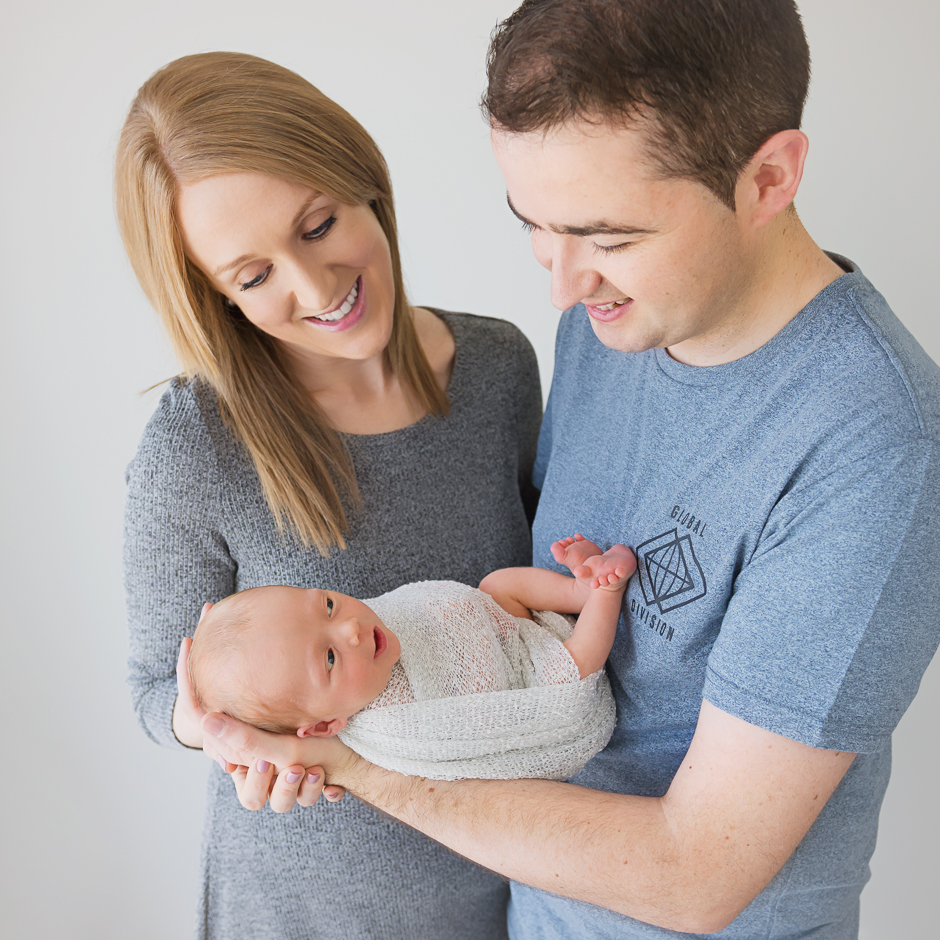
(325, 653)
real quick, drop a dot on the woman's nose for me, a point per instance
(313, 287)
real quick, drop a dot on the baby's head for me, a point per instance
(291, 659)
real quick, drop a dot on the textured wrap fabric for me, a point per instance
(495, 696)
(443, 498)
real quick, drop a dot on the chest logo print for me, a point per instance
(670, 575)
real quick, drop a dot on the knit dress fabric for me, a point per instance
(446, 498)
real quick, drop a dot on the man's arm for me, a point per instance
(690, 861)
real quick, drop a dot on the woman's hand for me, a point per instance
(187, 712)
(284, 778)
(284, 767)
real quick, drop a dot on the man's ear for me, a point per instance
(322, 729)
(770, 181)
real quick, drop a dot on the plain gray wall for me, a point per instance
(100, 828)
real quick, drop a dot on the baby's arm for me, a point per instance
(596, 594)
(519, 591)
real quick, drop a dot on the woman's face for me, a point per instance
(309, 270)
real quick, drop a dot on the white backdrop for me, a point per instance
(100, 828)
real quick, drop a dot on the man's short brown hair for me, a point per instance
(710, 80)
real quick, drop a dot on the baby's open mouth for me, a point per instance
(380, 642)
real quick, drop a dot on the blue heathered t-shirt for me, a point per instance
(784, 513)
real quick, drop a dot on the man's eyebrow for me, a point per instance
(599, 227)
(241, 259)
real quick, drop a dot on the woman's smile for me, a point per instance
(347, 314)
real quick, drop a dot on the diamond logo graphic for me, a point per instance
(670, 575)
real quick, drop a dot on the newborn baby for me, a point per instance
(305, 661)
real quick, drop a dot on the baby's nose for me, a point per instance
(352, 630)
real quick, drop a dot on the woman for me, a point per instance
(323, 432)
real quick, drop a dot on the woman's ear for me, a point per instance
(322, 729)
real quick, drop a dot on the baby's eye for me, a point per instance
(330, 659)
(329, 605)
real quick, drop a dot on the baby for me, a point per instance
(304, 661)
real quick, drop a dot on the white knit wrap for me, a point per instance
(497, 696)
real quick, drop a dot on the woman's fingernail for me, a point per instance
(293, 778)
(220, 760)
(214, 725)
(263, 766)
(312, 778)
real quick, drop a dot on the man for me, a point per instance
(747, 413)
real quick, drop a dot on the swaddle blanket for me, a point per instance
(496, 696)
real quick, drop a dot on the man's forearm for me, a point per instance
(690, 861)
(614, 851)
(740, 803)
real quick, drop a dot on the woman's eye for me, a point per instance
(330, 659)
(255, 281)
(329, 605)
(320, 230)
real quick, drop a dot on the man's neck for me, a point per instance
(786, 270)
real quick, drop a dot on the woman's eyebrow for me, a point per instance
(305, 208)
(241, 259)
(592, 228)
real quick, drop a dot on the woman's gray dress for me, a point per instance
(446, 498)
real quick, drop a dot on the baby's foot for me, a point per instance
(610, 571)
(573, 551)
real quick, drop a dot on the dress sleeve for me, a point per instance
(530, 420)
(834, 618)
(175, 556)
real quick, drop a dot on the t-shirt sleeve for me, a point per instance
(175, 557)
(544, 450)
(834, 618)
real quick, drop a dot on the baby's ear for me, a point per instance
(205, 609)
(322, 729)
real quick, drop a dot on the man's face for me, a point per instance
(657, 263)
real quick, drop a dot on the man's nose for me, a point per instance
(573, 275)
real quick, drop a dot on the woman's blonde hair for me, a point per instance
(226, 112)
